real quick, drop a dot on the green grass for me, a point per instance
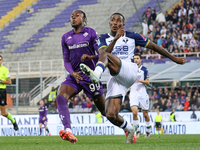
(104, 142)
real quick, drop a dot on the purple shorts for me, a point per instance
(41, 121)
(90, 89)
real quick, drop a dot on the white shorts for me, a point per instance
(140, 101)
(118, 86)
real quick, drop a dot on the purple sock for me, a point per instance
(47, 130)
(40, 131)
(63, 111)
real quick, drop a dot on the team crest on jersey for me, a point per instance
(125, 40)
(85, 34)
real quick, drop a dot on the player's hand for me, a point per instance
(43, 118)
(120, 32)
(86, 57)
(180, 60)
(77, 76)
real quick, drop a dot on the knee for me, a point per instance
(134, 113)
(4, 114)
(110, 116)
(145, 115)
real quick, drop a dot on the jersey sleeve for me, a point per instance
(45, 110)
(141, 40)
(7, 74)
(146, 74)
(101, 42)
(65, 50)
(95, 41)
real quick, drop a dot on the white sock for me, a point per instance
(68, 129)
(126, 126)
(100, 67)
(137, 123)
(148, 126)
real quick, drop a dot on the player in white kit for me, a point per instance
(138, 96)
(116, 50)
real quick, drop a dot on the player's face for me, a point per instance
(116, 22)
(41, 103)
(76, 19)
(137, 60)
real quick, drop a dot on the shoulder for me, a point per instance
(88, 29)
(130, 34)
(143, 68)
(4, 68)
(67, 34)
(104, 36)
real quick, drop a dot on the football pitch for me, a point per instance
(102, 142)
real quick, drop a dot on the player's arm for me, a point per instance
(162, 51)
(7, 76)
(8, 81)
(143, 81)
(67, 63)
(94, 38)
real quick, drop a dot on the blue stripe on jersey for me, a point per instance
(139, 39)
(146, 74)
(102, 40)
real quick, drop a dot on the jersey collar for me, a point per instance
(82, 30)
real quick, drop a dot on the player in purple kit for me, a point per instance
(77, 43)
(43, 111)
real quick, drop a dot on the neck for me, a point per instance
(78, 29)
(139, 65)
(113, 33)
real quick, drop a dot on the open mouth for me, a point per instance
(115, 28)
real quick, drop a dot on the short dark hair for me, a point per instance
(116, 13)
(84, 15)
(1, 57)
(138, 54)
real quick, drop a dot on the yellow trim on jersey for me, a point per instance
(102, 47)
(147, 44)
(147, 79)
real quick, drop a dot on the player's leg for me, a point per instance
(9, 116)
(45, 126)
(147, 120)
(105, 60)
(3, 103)
(40, 125)
(100, 103)
(134, 110)
(113, 106)
(64, 93)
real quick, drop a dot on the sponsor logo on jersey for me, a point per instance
(8, 74)
(85, 34)
(79, 45)
(69, 37)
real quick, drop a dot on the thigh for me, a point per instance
(92, 90)
(69, 87)
(113, 64)
(3, 97)
(113, 106)
(115, 89)
(144, 103)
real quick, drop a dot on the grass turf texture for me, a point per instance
(103, 142)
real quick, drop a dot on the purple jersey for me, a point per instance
(43, 111)
(75, 45)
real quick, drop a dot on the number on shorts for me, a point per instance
(94, 87)
(147, 101)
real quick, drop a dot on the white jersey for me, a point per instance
(138, 88)
(118, 85)
(125, 46)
